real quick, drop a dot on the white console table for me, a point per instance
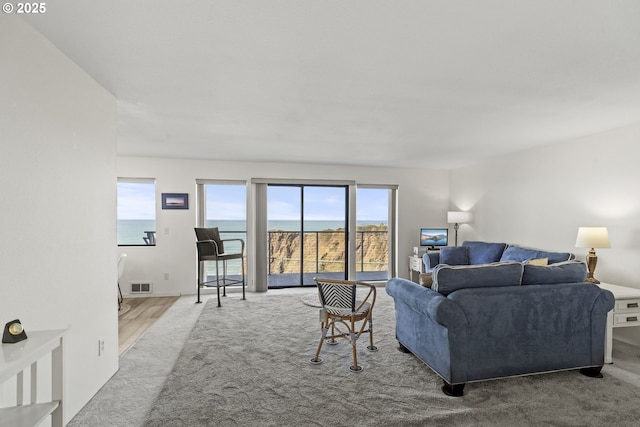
(415, 265)
(625, 313)
(14, 360)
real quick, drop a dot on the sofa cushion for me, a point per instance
(520, 254)
(484, 252)
(449, 278)
(454, 255)
(562, 272)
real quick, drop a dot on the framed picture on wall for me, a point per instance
(175, 201)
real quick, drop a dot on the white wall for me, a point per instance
(57, 222)
(423, 199)
(540, 197)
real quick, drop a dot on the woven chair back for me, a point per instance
(337, 295)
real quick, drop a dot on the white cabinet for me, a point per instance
(17, 358)
(625, 313)
(415, 265)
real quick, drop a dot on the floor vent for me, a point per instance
(141, 288)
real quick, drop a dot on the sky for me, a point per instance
(136, 200)
(228, 202)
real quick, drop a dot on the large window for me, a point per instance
(372, 233)
(223, 204)
(136, 212)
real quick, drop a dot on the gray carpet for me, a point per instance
(247, 364)
(128, 396)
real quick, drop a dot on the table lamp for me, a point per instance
(592, 237)
(457, 218)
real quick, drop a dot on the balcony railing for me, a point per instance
(324, 251)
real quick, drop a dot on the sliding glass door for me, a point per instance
(307, 233)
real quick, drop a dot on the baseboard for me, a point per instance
(152, 295)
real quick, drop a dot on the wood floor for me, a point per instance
(143, 313)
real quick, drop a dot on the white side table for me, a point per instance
(24, 355)
(625, 313)
(415, 265)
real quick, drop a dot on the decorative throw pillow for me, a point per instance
(537, 261)
(562, 272)
(426, 280)
(454, 255)
(484, 252)
(449, 278)
(521, 254)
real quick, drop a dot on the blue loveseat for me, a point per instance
(472, 253)
(488, 321)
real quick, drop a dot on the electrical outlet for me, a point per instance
(100, 346)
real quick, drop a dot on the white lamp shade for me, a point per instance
(593, 237)
(459, 217)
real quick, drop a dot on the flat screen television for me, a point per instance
(434, 237)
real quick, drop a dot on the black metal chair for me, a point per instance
(150, 238)
(342, 309)
(211, 248)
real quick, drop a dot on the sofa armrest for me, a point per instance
(428, 302)
(430, 260)
(605, 302)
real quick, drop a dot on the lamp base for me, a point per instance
(592, 260)
(456, 227)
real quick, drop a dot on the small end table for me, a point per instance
(625, 313)
(415, 265)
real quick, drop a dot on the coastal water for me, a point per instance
(132, 231)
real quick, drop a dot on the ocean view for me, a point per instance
(132, 231)
(327, 249)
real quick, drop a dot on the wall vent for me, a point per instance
(141, 288)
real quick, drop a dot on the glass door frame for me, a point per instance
(258, 213)
(302, 186)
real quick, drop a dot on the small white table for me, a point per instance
(25, 355)
(625, 313)
(415, 265)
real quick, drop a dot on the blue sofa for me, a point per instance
(473, 252)
(481, 322)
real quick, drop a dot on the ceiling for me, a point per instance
(401, 83)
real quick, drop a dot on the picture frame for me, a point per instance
(175, 201)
